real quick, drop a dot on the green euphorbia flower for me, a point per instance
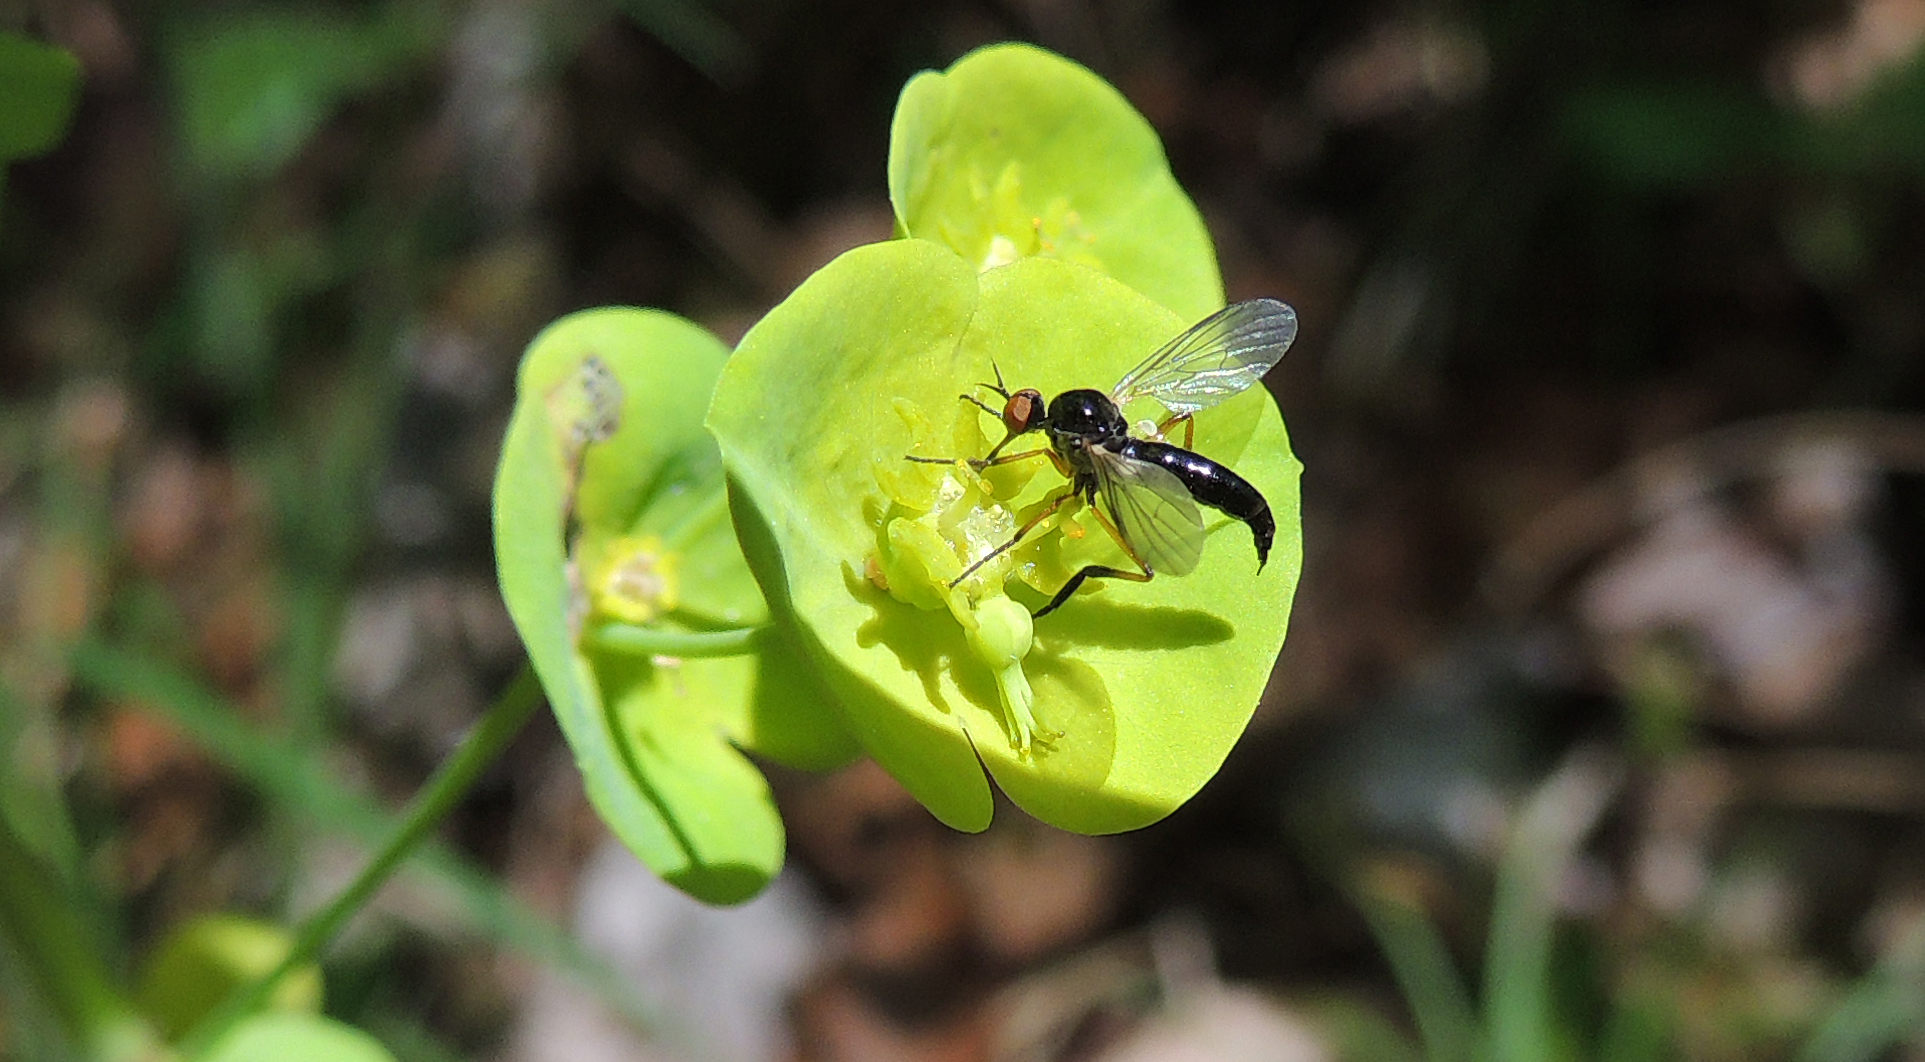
(1049, 243)
(621, 573)
(1103, 716)
(1014, 152)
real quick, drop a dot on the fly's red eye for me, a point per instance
(1023, 411)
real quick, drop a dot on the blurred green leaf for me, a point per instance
(204, 959)
(31, 801)
(1641, 1027)
(1677, 135)
(289, 774)
(240, 295)
(1523, 1023)
(1879, 130)
(252, 85)
(41, 85)
(1357, 1031)
(63, 955)
(1688, 134)
(284, 1037)
(1420, 960)
(1881, 1011)
(693, 32)
(33, 1027)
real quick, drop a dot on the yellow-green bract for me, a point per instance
(1148, 685)
(1014, 152)
(656, 739)
(194, 968)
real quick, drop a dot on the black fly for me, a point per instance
(1151, 488)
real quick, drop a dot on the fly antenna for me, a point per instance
(998, 386)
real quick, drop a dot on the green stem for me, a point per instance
(297, 782)
(688, 645)
(1420, 962)
(450, 782)
(1521, 1010)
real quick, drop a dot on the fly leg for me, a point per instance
(1189, 428)
(1017, 537)
(1101, 571)
(980, 463)
(1000, 388)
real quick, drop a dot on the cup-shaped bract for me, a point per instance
(610, 509)
(1137, 691)
(1014, 152)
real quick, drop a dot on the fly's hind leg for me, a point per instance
(1101, 571)
(1091, 571)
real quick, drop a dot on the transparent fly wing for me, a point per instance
(1219, 356)
(1152, 509)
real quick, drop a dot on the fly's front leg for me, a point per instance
(1017, 537)
(980, 463)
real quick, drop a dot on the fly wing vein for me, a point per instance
(1217, 357)
(1153, 510)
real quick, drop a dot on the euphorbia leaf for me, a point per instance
(655, 739)
(1014, 151)
(1148, 685)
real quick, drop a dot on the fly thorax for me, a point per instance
(1083, 413)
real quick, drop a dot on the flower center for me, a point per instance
(636, 581)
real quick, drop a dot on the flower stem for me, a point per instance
(450, 782)
(653, 641)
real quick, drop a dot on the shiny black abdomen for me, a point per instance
(1212, 485)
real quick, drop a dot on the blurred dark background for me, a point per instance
(1612, 325)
